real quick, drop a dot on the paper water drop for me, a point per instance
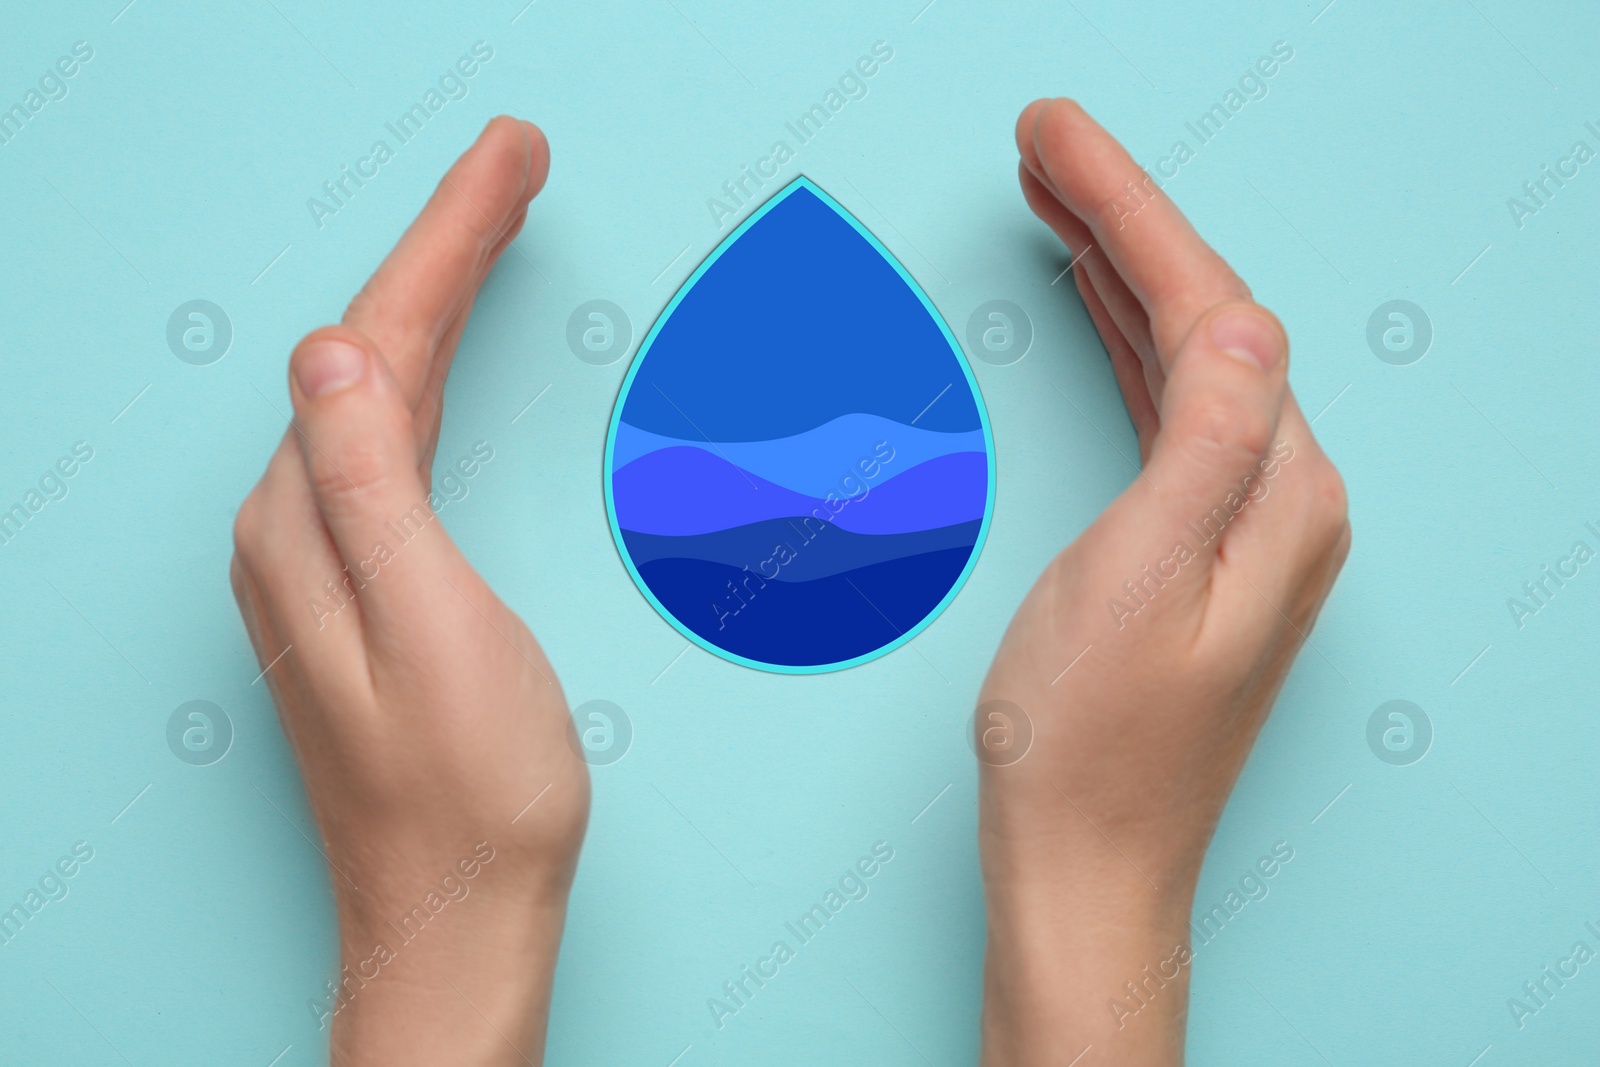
(799, 471)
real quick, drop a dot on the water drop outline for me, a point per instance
(644, 348)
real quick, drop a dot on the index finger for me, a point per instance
(411, 301)
(1167, 265)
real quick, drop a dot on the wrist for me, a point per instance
(1099, 959)
(451, 970)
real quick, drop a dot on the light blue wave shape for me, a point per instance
(821, 460)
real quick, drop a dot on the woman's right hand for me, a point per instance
(1145, 659)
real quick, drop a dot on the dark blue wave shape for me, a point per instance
(797, 549)
(800, 320)
(805, 624)
(678, 492)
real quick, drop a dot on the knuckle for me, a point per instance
(249, 528)
(1224, 430)
(360, 304)
(1341, 547)
(1119, 204)
(245, 598)
(466, 219)
(355, 476)
(476, 235)
(1329, 506)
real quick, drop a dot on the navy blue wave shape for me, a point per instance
(799, 321)
(805, 624)
(798, 549)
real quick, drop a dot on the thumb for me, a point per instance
(355, 432)
(1219, 416)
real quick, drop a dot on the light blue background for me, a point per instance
(1378, 167)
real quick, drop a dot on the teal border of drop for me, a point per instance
(777, 198)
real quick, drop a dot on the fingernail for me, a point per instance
(1249, 337)
(327, 366)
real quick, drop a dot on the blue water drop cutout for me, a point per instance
(799, 471)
